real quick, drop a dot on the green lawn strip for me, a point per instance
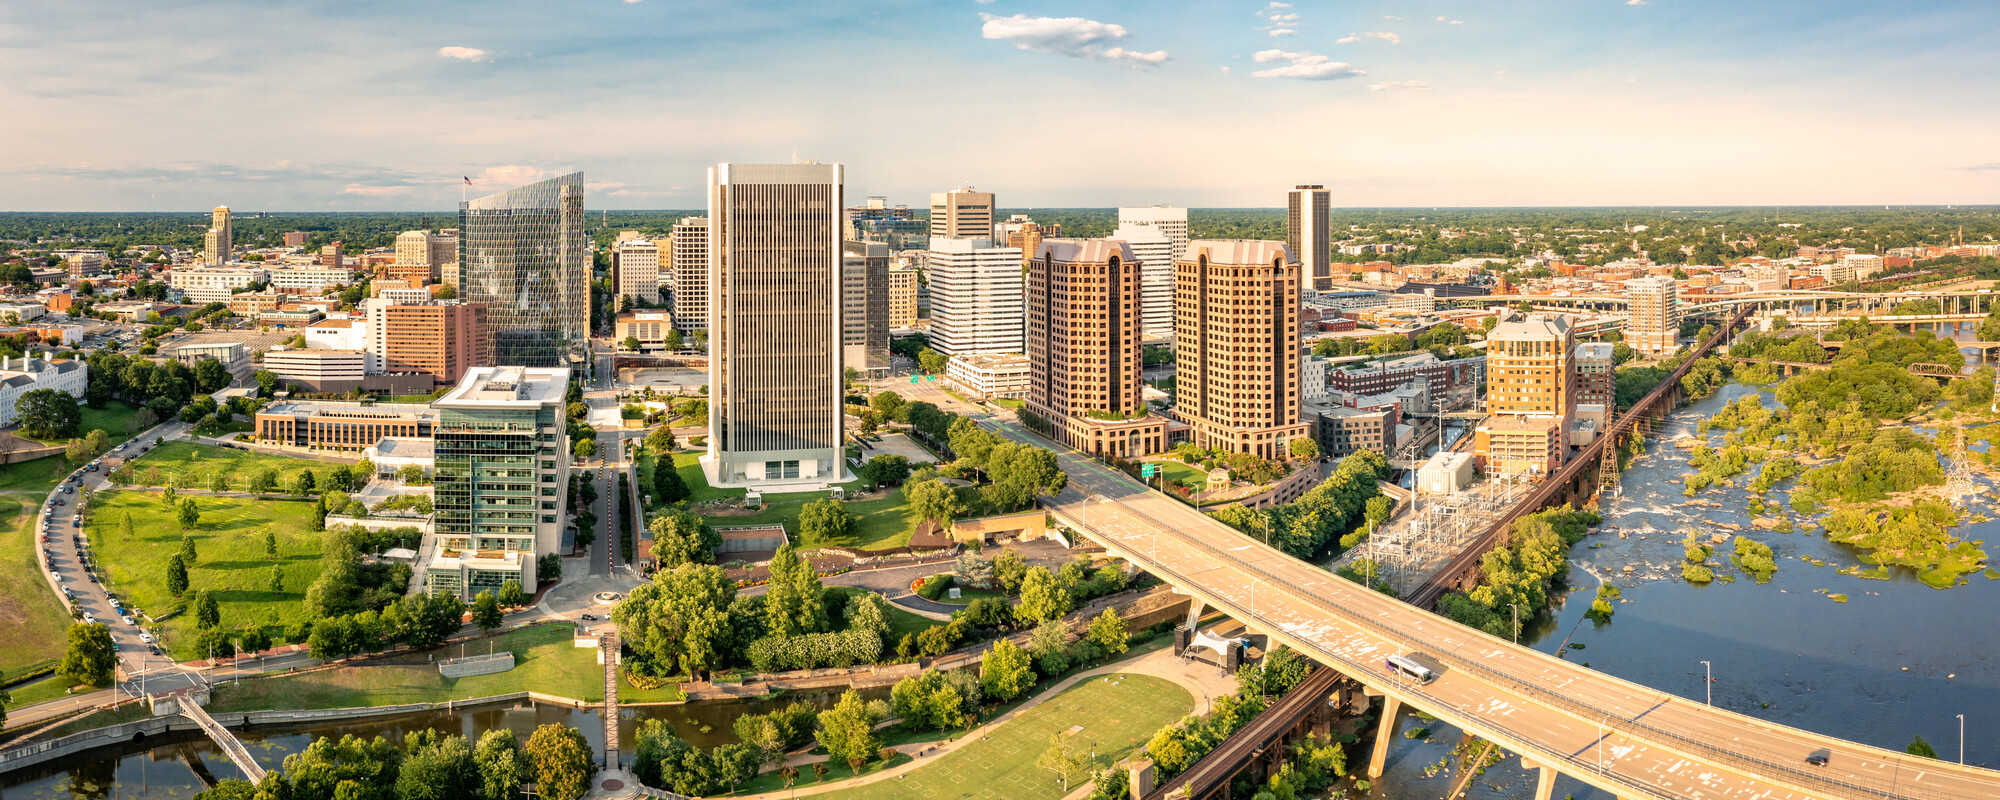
(1187, 473)
(1010, 402)
(773, 782)
(32, 620)
(101, 718)
(54, 687)
(112, 419)
(38, 476)
(689, 465)
(879, 524)
(198, 463)
(230, 561)
(966, 596)
(1116, 713)
(897, 734)
(545, 661)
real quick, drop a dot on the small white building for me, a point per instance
(1445, 473)
(311, 279)
(23, 312)
(393, 453)
(338, 333)
(1312, 379)
(989, 376)
(213, 284)
(19, 376)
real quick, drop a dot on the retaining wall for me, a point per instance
(476, 665)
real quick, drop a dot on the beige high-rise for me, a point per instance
(774, 367)
(1084, 349)
(1530, 395)
(961, 212)
(1236, 346)
(219, 240)
(635, 270)
(902, 298)
(689, 246)
(1308, 223)
(1654, 326)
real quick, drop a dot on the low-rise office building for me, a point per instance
(233, 355)
(214, 284)
(19, 376)
(989, 376)
(1340, 431)
(649, 326)
(313, 370)
(311, 279)
(341, 427)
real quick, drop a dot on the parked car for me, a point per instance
(89, 619)
(146, 637)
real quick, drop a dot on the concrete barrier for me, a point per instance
(476, 665)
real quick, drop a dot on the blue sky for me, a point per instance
(384, 105)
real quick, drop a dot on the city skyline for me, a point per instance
(1614, 102)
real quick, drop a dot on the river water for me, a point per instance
(173, 766)
(1898, 660)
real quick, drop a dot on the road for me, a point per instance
(1611, 733)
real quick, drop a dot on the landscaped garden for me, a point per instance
(231, 562)
(31, 619)
(544, 661)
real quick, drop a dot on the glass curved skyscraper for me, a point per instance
(523, 258)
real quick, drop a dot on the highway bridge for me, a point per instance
(1560, 718)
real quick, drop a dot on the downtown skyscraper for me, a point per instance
(775, 363)
(524, 260)
(1308, 223)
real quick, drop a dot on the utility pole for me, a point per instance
(1708, 682)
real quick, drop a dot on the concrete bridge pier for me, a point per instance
(1545, 779)
(1392, 711)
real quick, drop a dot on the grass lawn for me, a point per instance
(836, 772)
(229, 542)
(198, 463)
(54, 687)
(111, 419)
(1011, 402)
(37, 476)
(879, 524)
(544, 661)
(101, 718)
(1116, 713)
(689, 465)
(1179, 471)
(32, 620)
(966, 596)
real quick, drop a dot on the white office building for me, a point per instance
(1156, 277)
(636, 265)
(203, 285)
(1171, 221)
(19, 376)
(689, 275)
(977, 305)
(311, 279)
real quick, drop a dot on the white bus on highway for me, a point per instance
(1409, 668)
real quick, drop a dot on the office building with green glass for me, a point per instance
(524, 260)
(501, 479)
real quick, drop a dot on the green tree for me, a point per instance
(825, 520)
(277, 583)
(219, 483)
(177, 575)
(1005, 672)
(680, 537)
(207, 614)
(584, 448)
(1919, 747)
(889, 403)
(932, 361)
(436, 767)
(934, 500)
(48, 414)
(511, 595)
(187, 553)
(502, 765)
(125, 527)
(90, 657)
(661, 441)
(674, 341)
(264, 482)
(1065, 759)
(1042, 599)
(270, 544)
(486, 611)
(848, 731)
(680, 622)
(1108, 631)
(794, 603)
(560, 763)
(1304, 448)
(305, 484)
(188, 515)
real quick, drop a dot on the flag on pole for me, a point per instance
(468, 179)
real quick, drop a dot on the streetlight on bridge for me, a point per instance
(1708, 682)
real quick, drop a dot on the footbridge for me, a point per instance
(1560, 718)
(231, 746)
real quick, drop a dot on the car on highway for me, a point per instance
(1819, 757)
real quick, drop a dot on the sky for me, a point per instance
(357, 105)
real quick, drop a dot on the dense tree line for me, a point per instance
(430, 765)
(1327, 519)
(1520, 574)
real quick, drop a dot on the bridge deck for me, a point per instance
(231, 746)
(1610, 733)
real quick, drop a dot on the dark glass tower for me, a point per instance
(523, 257)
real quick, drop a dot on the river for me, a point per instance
(1899, 659)
(166, 767)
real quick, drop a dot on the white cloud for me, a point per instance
(1392, 17)
(1277, 5)
(1304, 66)
(375, 191)
(1449, 21)
(1284, 32)
(631, 1)
(508, 176)
(462, 53)
(1382, 35)
(1415, 86)
(1637, 3)
(1070, 36)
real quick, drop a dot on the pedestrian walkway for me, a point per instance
(1203, 682)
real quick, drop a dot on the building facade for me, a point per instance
(648, 325)
(961, 213)
(340, 427)
(219, 241)
(318, 370)
(989, 376)
(1156, 277)
(524, 260)
(1595, 378)
(1173, 222)
(775, 366)
(1084, 349)
(635, 270)
(864, 306)
(689, 246)
(976, 297)
(19, 376)
(501, 478)
(1653, 326)
(202, 285)
(1236, 346)
(311, 279)
(902, 299)
(1308, 224)
(440, 338)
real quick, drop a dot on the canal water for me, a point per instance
(173, 766)
(1897, 660)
